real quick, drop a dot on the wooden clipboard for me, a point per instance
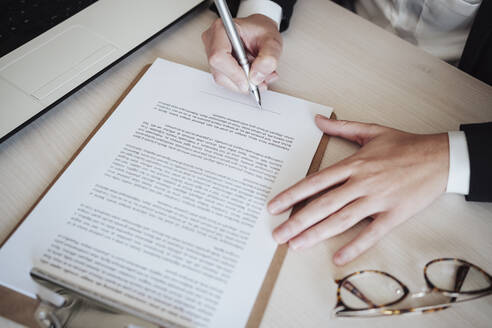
(20, 308)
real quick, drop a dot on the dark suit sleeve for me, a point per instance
(287, 10)
(479, 141)
(476, 57)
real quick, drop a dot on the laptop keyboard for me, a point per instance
(23, 20)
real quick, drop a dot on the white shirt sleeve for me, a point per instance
(264, 7)
(459, 164)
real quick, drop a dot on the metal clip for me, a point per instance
(71, 309)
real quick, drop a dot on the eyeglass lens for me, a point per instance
(370, 289)
(457, 276)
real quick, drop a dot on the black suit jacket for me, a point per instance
(476, 60)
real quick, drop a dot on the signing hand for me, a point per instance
(262, 41)
(393, 176)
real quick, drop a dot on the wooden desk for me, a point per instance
(332, 57)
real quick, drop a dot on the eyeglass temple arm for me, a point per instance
(357, 293)
(460, 278)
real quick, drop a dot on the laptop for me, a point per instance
(50, 48)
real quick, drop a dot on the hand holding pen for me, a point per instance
(263, 43)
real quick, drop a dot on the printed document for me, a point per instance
(164, 210)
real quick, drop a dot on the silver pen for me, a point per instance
(237, 44)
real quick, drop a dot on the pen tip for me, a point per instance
(257, 95)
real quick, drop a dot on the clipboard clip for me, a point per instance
(64, 307)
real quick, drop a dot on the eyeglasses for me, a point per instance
(373, 293)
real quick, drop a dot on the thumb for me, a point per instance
(360, 133)
(267, 60)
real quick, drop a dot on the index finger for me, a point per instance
(309, 186)
(219, 53)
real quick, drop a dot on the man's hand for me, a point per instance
(262, 41)
(393, 176)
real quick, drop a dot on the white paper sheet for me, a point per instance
(164, 209)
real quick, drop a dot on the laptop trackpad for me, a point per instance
(58, 62)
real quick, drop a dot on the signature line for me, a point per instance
(239, 102)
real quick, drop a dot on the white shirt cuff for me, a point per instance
(263, 7)
(459, 164)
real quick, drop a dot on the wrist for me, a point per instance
(263, 21)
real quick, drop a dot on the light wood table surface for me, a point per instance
(335, 58)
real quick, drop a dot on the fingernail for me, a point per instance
(296, 244)
(321, 117)
(256, 78)
(281, 235)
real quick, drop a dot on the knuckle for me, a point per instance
(344, 221)
(376, 129)
(317, 233)
(269, 62)
(216, 59)
(368, 205)
(277, 38)
(357, 164)
(296, 225)
(372, 183)
(291, 228)
(273, 42)
(217, 24)
(344, 123)
(288, 197)
(373, 127)
(277, 42)
(323, 202)
(314, 179)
